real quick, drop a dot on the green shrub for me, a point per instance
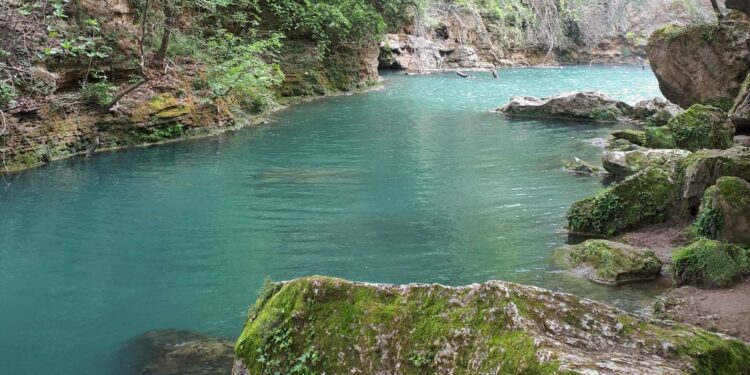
(709, 263)
(99, 93)
(7, 94)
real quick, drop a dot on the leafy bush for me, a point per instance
(7, 94)
(237, 67)
(99, 93)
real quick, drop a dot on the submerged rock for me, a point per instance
(655, 112)
(709, 263)
(701, 64)
(636, 137)
(725, 212)
(613, 263)
(586, 106)
(325, 325)
(580, 167)
(644, 198)
(626, 163)
(173, 352)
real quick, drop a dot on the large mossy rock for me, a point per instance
(644, 198)
(709, 263)
(700, 127)
(626, 163)
(585, 106)
(703, 168)
(324, 325)
(725, 211)
(614, 263)
(701, 64)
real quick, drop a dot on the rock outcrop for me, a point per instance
(709, 263)
(172, 352)
(580, 167)
(613, 263)
(325, 325)
(655, 112)
(701, 126)
(703, 168)
(701, 64)
(582, 106)
(626, 163)
(725, 211)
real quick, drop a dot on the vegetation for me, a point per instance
(701, 126)
(709, 263)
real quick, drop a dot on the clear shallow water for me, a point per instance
(417, 182)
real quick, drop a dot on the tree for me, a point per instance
(717, 10)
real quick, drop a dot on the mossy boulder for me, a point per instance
(614, 263)
(325, 325)
(626, 163)
(644, 198)
(700, 127)
(703, 168)
(637, 137)
(580, 167)
(582, 106)
(725, 212)
(709, 263)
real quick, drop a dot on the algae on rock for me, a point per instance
(326, 325)
(614, 263)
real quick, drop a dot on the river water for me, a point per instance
(416, 182)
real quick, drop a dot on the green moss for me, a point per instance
(633, 136)
(615, 263)
(159, 134)
(324, 325)
(643, 198)
(668, 32)
(659, 137)
(709, 263)
(724, 104)
(701, 127)
(604, 114)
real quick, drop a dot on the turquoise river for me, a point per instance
(416, 182)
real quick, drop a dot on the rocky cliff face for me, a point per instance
(452, 37)
(705, 64)
(324, 325)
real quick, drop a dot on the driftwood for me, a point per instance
(494, 73)
(462, 74)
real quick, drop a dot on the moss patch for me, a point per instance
(709, 263)
(659, 137)
(616, 263)
(633, 136)
(700, 127)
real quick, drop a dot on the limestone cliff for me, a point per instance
(449, 36)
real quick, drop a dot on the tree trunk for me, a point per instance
(169, 22)
(717, 10)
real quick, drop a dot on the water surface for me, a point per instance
(417, 182)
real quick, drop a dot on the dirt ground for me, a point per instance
(720, 310)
